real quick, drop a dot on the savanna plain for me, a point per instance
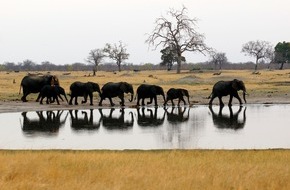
(136, 169)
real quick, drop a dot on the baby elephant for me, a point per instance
(51, 92)
(224, 88)
(174, 93)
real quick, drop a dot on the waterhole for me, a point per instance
(145, 128)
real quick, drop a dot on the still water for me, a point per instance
(197, 127)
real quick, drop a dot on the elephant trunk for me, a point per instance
(244, 95)
(132, 95)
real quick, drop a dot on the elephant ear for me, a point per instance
(235, 84)
(184, 92)
(123, 87)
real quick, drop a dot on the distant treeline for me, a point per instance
(127, 66)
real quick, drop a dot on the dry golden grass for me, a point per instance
(268, 85)
(145, 169)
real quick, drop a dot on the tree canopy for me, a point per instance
(282, 53)
(179, 34)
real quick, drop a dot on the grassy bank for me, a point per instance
(266, 86)
(268, 169)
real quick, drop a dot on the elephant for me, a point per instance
(34, 84)
(174, 93)
(149, 91)
(49, 125)
(224, 121)
(224, 88)
(117, 123)
(150, 119)
(83, 89)
(85, 123)
(54, 92)
(111, 90)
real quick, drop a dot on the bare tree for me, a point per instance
(218, 58)
(95, 58)
(258, 49)
(180, 34)
(117, 53)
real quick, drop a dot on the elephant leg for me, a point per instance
(41, 100)
(100, 103)
(182, 99)
(85, 99)
(70, 101)
(76, 100)
(211, 100)
(238, 97)
(57, 100)
(121, 96)
(221, 101)
(230, 101)
(150, 102)
(111, 102)
(38, 97)
(91, 98)
(143, 101)
(172, 102)
(138, 100)
(155, 100)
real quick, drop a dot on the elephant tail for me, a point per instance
(209, 96)
(20, 89)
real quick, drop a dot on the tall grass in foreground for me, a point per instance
(196, 169)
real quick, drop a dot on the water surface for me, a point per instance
(197, 127)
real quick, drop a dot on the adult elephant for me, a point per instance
(34, 84)
(52, 92)
(111, 90)
(225, 88)
(177, 93)
(149, 91)
(83, 89)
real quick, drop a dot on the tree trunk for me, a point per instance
(256, 66)
(281, 66)
(179, 58)
(119, 66)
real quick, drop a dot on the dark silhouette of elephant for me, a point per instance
(117, 123)
(34, 84)
(225, 88)
(150, 117)
(84, 123)
(177, 93)
(232, 121)
(149, 91)
(179, 117)
(83, 89)
(48, 125)
(111, 90)
(51, 93)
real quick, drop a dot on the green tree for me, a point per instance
(282, 53)
(179, 33)
(168, 57)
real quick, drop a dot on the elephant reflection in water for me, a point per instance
(85, 122)
(178, 117)
(151, 119)
(231, 121)
(114, 123)
(49, 124)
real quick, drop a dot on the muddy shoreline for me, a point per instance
(19, 106)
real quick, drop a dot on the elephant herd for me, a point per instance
(48, 87)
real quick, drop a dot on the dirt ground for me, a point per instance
(19, 106)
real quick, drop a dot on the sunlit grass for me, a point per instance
(199, 84)
(145, 169)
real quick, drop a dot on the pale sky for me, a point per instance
(64, 31)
